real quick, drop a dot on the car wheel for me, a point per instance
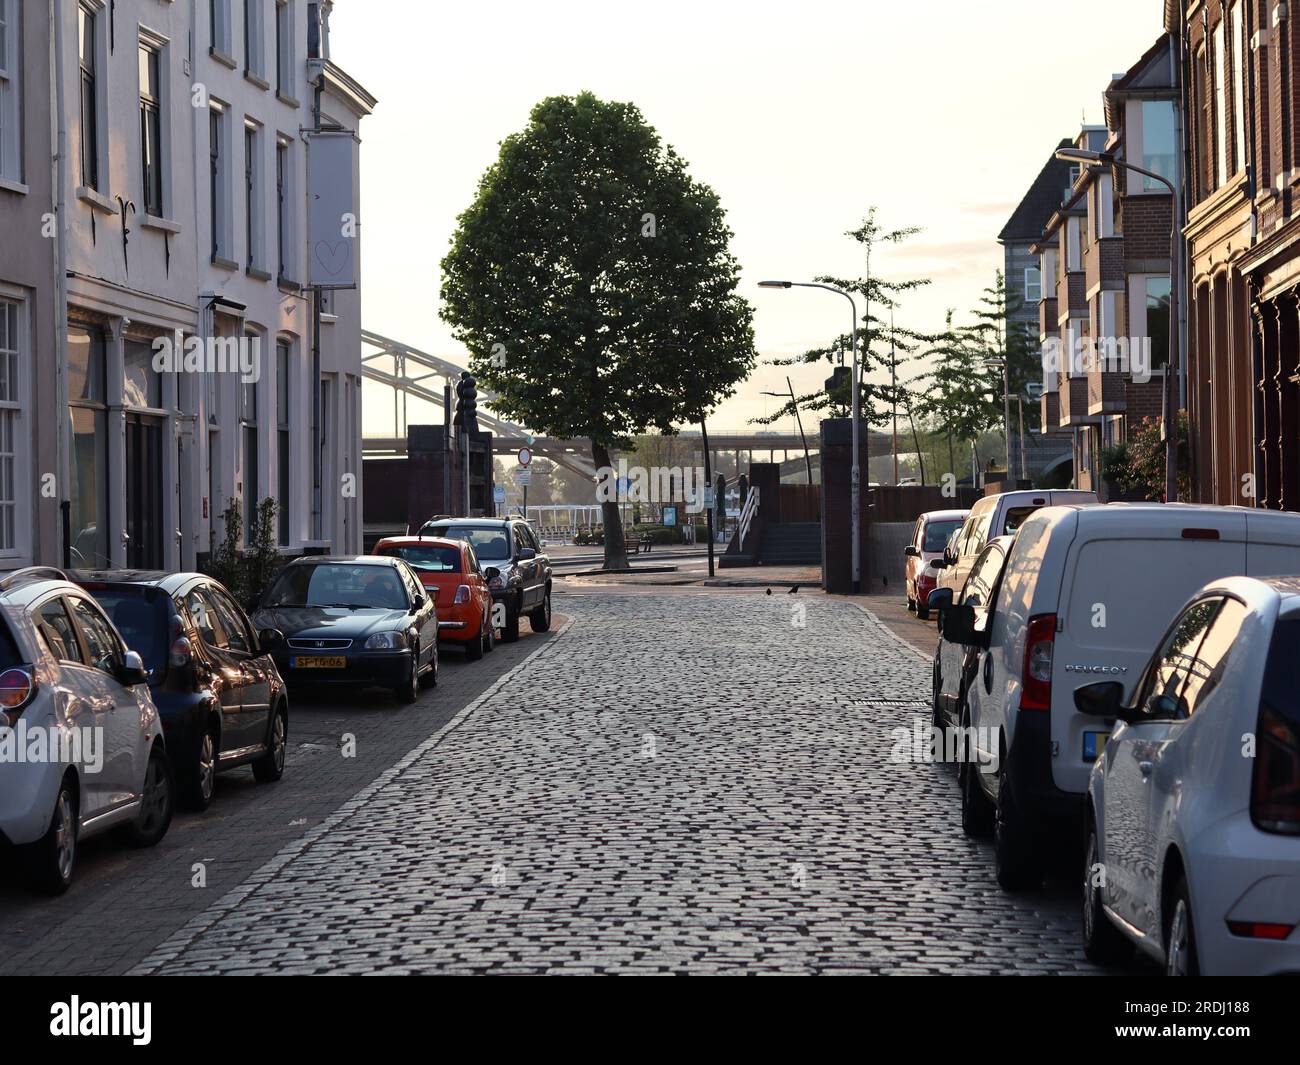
(1180, 940)
(936, 712)
(977, 813)
(1013, 842)
(51, 859)
(157, 801)
(270, 767)
(540, 619)
(409, 690)
(923, 609)
(474, 648)
(510, 630)
(1103, 943)
(200, 781)
(489, 637)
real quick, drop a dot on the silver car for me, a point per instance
(81, 744)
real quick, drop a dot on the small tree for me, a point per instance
(225, 562)
(1146, 460)
(264, 560)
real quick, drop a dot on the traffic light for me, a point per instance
(467, 401)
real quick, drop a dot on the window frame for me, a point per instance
(153, 107)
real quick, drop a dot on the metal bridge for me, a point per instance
(408, 372)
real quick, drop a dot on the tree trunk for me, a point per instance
(916, 439)
(615, 545)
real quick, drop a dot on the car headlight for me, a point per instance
(386, 641)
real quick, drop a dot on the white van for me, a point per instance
(1086, 594)
(994, 516)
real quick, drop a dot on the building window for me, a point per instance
(1159, 152)
(219, 26)
(141, 383)
(282, 219)
(284, 454)
(255, 38)
(151, 129)
(218, 161)
(1235, 32)
(248, 434)
(284, 82)
(1220, 109)
(1157, 307)
(252, 214)
(11, 163)
(1033, 284)
(12, 444)
(87, 30)
(88, 438)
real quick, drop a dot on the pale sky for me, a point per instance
(800, 115)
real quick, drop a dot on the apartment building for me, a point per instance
(29, 308)
(198, 324)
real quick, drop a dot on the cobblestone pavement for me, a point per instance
(678, 782)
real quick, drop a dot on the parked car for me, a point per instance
(1193, 829)
(518, 572)
(358, 621)
(222, 701)
(453, 577)
(1084, 589)
(929, 539)
(66, 671)
(998, 515)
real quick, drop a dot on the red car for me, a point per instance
(450, 572)
(928, 541)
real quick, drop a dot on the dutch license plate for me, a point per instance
(1093, 744)
(319, 662)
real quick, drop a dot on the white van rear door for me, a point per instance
(1273, 545)
(1120, 597)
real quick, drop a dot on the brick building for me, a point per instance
(1243, 396)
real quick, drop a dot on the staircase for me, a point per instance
(792, 544)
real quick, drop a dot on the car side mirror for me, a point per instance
(132, 672)
(1103, 699)
(526, 553)
(940, 600)
(268, 639)
(957, 625)
(417, 601)
(491, 573)
(911, 551)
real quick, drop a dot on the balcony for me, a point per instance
(1074, 403)
(1047, 324)
(1049, 409)
(1071, 297)
(1103, 265)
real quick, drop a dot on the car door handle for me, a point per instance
(1145, 768)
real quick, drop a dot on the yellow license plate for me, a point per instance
(319, 662)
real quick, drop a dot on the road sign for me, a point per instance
(523, 477)
(708, 499)
(670, 517)
(498, 494)
(525, 456)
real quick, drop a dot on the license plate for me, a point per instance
(1093, 744)
(318, 662)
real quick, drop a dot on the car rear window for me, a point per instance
(1281, 692)
(937, 533)
(143, 616)
(1015, 518)
(425, 558)
(8, 648)
(490, 543)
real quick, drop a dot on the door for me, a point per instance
(222, 671)
(123, 735)
(425, 616)
(1132, 755)
(144, 491)
(530, 590)
(254, 668)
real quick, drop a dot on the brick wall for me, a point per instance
(1147, 224)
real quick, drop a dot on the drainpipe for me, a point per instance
(62, 420)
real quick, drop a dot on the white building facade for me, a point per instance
(197, 366)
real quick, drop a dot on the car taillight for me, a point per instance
(181, 653)
(1275, 785)
(462, 594)
(1257, 930)
(1036, 681)
(17, 686)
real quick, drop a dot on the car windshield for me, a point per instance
(937, 533)
(143, 617)
(323, 584)
(428, 558)
(491, 543)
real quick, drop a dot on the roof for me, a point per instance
(1040, 202)
(474, 523)
(944, 515)
(416, 541)
(145, 578)
(350, 560)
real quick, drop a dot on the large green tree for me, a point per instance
(592, 282)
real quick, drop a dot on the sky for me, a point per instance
(802, 116)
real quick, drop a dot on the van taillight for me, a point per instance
(17, 686)
(1036, 681)
(462, 594)
(1275, 785)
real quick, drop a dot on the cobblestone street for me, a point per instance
(660, 788)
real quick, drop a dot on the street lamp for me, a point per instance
(1084, 156)
(855, 504)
